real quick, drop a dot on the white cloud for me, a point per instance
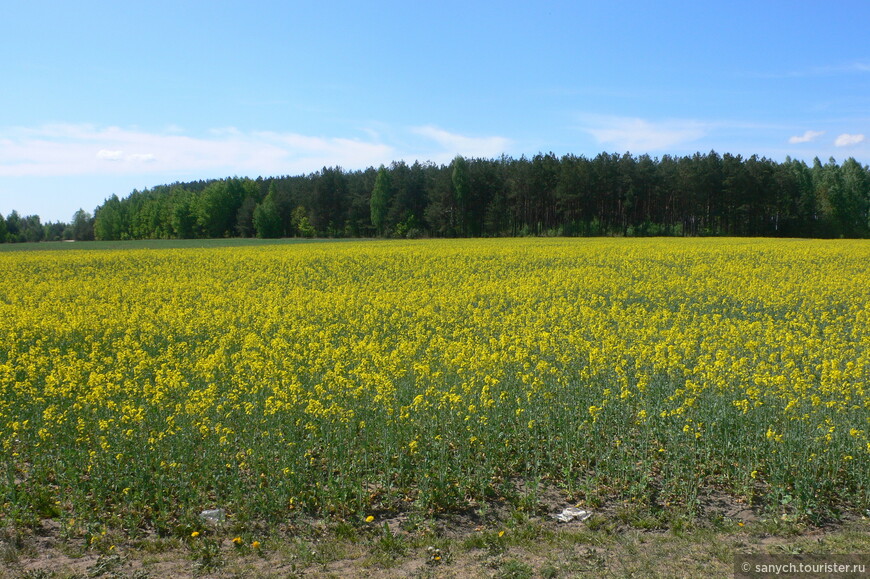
(641, 136)
(847, 140)
(153, 157)
(108, 155)
(455, 144)
(806, 137)
(66, 150)
(225, 132)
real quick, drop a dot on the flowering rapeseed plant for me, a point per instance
(337, 377)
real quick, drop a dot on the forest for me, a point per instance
(608, 195)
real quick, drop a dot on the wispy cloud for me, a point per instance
(453, 144)
(847, 140)
(58, 150)
(67, 150)
(640, 135)
(107, 155)
(807, 137)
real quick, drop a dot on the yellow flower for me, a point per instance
(255, 544)
(97, 355)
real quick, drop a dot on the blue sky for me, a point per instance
(101, 98)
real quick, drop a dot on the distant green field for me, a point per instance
(155, 244)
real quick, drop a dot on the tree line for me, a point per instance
(16, 228)
(610, 194)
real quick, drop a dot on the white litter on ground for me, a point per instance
(572, 514)
(214, 515)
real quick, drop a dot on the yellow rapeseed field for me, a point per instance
(140, 386)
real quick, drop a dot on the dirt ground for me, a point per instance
(616, 541)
